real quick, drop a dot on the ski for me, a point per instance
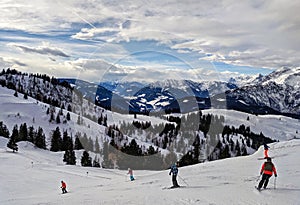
(262, 158)
(173, 187)
(260, 189)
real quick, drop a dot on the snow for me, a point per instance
(274, 126)
(33, 176)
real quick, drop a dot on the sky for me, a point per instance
(149, 40)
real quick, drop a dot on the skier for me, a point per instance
(266, 171)
(266, 147)
(63, 187)
(130, 172)
(174, 171)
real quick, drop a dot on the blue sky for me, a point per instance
(149, 40)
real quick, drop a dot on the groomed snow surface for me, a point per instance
(32, 176)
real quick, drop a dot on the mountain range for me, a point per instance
(276, 93)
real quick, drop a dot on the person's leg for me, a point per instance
(267, 181)
(266, 153)
(174, 180)
(176, 183)
(262, 181)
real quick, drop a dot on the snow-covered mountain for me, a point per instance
(276, 93)
(33, 176)
(242, 80)
(184, 134)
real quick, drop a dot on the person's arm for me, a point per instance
(262, 169)
(274, 170)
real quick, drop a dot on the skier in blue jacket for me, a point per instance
(174, 172)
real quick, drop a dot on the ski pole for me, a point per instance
(258, 178)
(183, 180)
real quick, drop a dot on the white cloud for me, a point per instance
(45, 49)
(255, 33)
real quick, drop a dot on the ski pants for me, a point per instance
(264, 181)
(174, 180)
(64, 190)
(266, 153)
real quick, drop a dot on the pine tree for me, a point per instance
(68, 116)
(15, 134)
(40, 139)
(56, 141)
(26, 96)
(69, 157)
(237, 148)
(16, 93)
(12, 140)
(78, 145)
(97, 146)
(86, 160)
(96, 162)
(23, 133)
(67, 143)
(31, 134)
(58, 118)
(3, 130)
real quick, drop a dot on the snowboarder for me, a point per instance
(266, 171)
(266, 147)
(174, 171)
(63, 187)
(130, 172)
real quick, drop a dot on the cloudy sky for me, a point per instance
(149, 40)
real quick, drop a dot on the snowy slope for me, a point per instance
(33, 176)
(273, 126)
(17, 110)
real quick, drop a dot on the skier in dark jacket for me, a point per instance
(174, 172)
(266, 171)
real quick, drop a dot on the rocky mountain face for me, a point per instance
(275, 93)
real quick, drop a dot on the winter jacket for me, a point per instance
(63, 185)
(174, 170)
(130, 172)
(268, 168)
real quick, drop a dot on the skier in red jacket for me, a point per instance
(266, 171)
(266, 148)
(63, 187)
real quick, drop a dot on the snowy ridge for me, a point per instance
(32, 176)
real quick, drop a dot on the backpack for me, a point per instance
(268, 166)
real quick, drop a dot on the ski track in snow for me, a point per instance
(228, 181)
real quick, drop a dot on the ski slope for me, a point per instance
(33, 176)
